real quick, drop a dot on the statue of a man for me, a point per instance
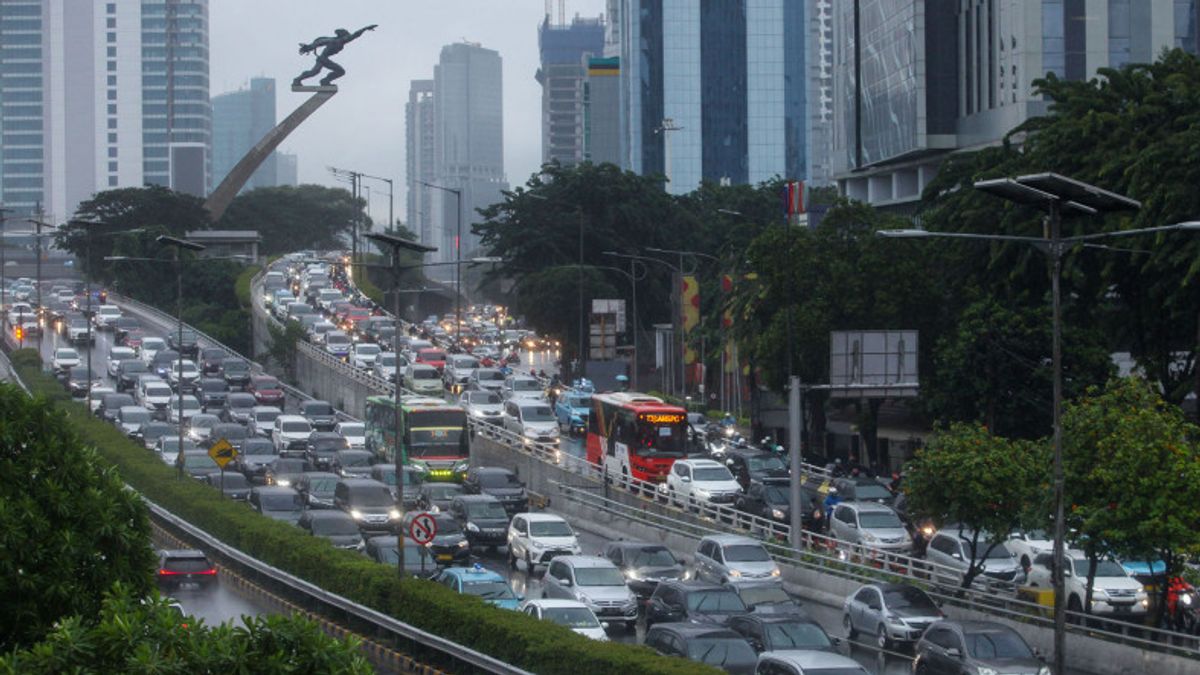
(331, 46)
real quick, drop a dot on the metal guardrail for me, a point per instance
(298, 587)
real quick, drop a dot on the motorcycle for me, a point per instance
(1183, 607)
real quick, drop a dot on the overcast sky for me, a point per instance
(362, 128)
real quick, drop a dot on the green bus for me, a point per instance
(433, 435)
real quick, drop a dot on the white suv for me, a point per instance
(106, 315)
(533, 421)
(290, 435)
(595, 582)
(1114, 592)
(696, 483)
(538, 538)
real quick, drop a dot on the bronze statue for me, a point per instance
(332, 45)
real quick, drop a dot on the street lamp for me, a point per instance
(633, 279)
(1054, 194)
(457, 192)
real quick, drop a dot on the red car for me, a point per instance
(432, 356)
(266, 390)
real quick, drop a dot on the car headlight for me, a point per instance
(463, 544)
(394, 514)
(776, 572)
(283, 482)
(472, 527)
(701, 492)
(1186, 599)
(531, 432)
(535, 544)
(776, 513)
(1044, 670)
(356, 514)
(1099, 594)
(632, 575)
(984, 670)
(462, 466)
(735, 573)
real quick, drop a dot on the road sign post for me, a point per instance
(423, 528)
(222, 452)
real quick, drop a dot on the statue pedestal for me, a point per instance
(315, 89)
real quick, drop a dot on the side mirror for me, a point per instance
(835, 641)
(954, 653)
(567, 582)
(853, 526)
(604, 625)
(520, 598)
(1066, 573)
(686, 479)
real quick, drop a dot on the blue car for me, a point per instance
(477, 581)
(572, 408)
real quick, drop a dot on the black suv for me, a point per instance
(320, 415)
(645, 565)
(210, 361)
(320, 448)
(188, 566)
(713, 645)
(772, 632)
(185, 343)
(236, 373)
(773, 502)
(500, 483)
(483, 518)
(757, 466)
(693, 601)
(212, 392)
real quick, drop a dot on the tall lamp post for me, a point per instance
(633, 279)
(457, 192)
(1054, 194)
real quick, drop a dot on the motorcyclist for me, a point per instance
(832, 499)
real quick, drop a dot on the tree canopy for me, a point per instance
(294, 218)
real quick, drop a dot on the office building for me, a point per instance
(917, 79)
(715, 91)
(602, 110)
(287, 169)
(419, 166)
(240, 119)
(99, 95)
(468, 143)
(563, 49)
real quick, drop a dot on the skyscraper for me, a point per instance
(287, 169)
(715, 91)
(919, 79)
(602, 110)
(563, 49)
(98, 95)
(468, 142)
(240, 119)
(419, 130)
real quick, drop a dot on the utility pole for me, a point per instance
(3, 246)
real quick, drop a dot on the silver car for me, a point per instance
(950, 549)
(893, 613)
(731, 559)
(597, 583)
(869, 525)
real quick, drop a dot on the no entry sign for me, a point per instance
(423, 528)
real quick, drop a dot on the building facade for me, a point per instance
(419, 166)
(287, 169)
(602, 110)
(240, 119)
(917, 79)
(564, 49)
(99, 95)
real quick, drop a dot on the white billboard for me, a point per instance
(873, 363)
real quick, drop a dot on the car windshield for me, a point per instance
(765, 463)
(550, 528)
(352, 429)
(425, 374)
(433, 355)
(489, 375)
(711, 474)
(357, 459)
(797, 635)
(657, 556)
(317, 409)
(154, 431)
(158, 391)
(244, 401)
(715, 601)
(879, 520)
(189, 403)
(233, 481)
(258, 446)
(571, 617)
(526, 385)
(322, 486)
(367, 350)
(489, 590)
(746, 553)
(388, 360)
(66, 354)
(537, 413)
(776, 495)
(907, 597)
(198, 462)
(758, 595)
(579, 401)
(998, 552)
(486, 510)
(296, 427)
(1104, 568)
(334, 526)
(485, 398)
(266, 416)
(135, 416)
(212, 385)
(720, 651)
(289, 466)
(466, 363)
(372, 496)
(498, 479)
(868, 491)
(266, 383)
(235, 366)
(442, 491)
(599, 576)
(997, 645)
(280, 502)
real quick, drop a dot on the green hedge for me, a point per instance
(515, 638)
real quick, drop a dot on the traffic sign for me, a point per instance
(222, 453)
(423, 528)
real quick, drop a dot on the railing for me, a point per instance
(331, 603)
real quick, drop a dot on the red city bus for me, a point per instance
(631, 434)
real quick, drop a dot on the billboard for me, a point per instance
(873, 363)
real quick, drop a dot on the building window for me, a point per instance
(112, 52)
(112, 153)
(112, 181)
(112, 66)
(112, 94)
(112, 108)
(112, 167)
(112, 80)
(111, 8)
(112, 37)
(112, 138)
(112, 123)
(112, 22)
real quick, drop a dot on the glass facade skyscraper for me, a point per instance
(564, 50)
(240, 119)
(22, 106)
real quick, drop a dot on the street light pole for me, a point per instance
(3, 246)
(632, 274)
(457, 192)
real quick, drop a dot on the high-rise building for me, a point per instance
(240, 119)
(715, 91)
(287, 169)
(419, 129)
(918, 79)
(602, 110)
(468, 143)
(98, 95)
(563, 49)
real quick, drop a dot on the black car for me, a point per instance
(283, 472)
(278, 502)
(431, 496)
(162, 363)
(252, 460)
(449, 545)
(767, 598)
(384, 549)
(773, 502)
(712, 645)
(483, 518)
(339, 528)
(236, 373)
(386, 474)
(236, 434)
(196, 463)
(354, 464)
(321, 447)
(128, 372)
(863, 489)
(111, 404)
(320, 414)
(693, 601)
(500, 483)
(238, 408)
(233, 484)
(154, 430)
(212, 392)
(645, 565)
(952, 647)
(210, 361)
(185, 342)
(756, 466)
(78, 380)
(179, 567)
(122, 327)
(773, 632)
(316, 487)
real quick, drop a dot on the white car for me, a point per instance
(116, 355)
(78, 331)
(153, 394)
(1027, 545)
(97, 397)
(150, 347)
(524, 387)
(483, 406)
(1114, 591)
(459, 367)
(189, 370)
(338, 343)
(696, 483)
(64, 358)
(290, 434)
(424, 380)
(262, 420)
(355, 434)
(533, 420)
(570, 613)
(385, 366)
(363, 354)
(319, 330)
(537, 538)
(191, 406)
(106, 315)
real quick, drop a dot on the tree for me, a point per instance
(978, 483)
(550, 300)
(294, 218)
(1133, 478)
(137, 634)
(68, 527)
(283, 347)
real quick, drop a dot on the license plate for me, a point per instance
(1122, 609)
(445, 556)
